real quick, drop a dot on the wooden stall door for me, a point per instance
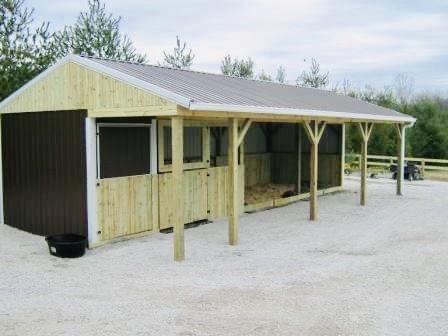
(217, 191)
(195, 197)
(125, 205)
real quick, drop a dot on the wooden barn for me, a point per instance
(113, 149)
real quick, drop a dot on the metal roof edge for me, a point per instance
(297, 112)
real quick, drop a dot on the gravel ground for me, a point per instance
(375, 270)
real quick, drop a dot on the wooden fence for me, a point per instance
(384, 162)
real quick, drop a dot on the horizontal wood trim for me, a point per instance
(259, 206)
(122, 238)
(288, 200)
(143, 111)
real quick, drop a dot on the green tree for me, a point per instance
(24, 51)
(239, 68)
(281, 75)
(264, 76)
(383, 139)
(179, 59)
(97, 33)
(429, 136)
(313, 77)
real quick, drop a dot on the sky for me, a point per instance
(364, 42)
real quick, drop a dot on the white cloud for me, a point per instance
(351, 39)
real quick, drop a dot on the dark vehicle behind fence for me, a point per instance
(411, 171)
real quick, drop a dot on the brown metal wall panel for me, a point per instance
(44, 171)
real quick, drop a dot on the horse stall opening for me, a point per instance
(44, 171)
(277, 161)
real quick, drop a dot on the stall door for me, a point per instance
(126, 194)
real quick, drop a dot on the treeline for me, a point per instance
(26, 51)
(428, 138)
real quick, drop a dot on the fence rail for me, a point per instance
(383, 161)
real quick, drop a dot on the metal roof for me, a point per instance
(200, 91)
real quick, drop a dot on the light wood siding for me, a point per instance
(195, 197)
(258, 168)
(130, 205)
(217, 191)
(72, 86)
(125, 205)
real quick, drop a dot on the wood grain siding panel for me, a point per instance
(125, 205)
(73, 86)
(195, 197)
(44, 171)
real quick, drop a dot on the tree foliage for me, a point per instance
(281, 75)
(264, 76)
(427, 138)
(314, 77)
(238, 68)
(97, 33)
(180, 58)
(24, 51)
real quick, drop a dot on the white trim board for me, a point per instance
(296, 112)
(91, 159)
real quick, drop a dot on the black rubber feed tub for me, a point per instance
(67, 245)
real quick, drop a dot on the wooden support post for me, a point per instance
(241, 153)
(314, 131)
(233, 207)
(299, 159)
(177, 196)
(400, 156)
(2, 218)
(244, 129)
(366, 131)
(342, 154)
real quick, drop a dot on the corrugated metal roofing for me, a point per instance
(208, 89)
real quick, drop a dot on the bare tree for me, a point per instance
(403, 87)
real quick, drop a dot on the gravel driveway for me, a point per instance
(375, 270)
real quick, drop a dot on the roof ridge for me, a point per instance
(196, 71)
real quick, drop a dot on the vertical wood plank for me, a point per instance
(233, 181)
(363, 171)
(155, 202)
(299, 159)
(400, 158)
(366, 130)
(313, 180)
(177, 173)
(314, 132)
(342, 154)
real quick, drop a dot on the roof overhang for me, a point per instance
(314, 114)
